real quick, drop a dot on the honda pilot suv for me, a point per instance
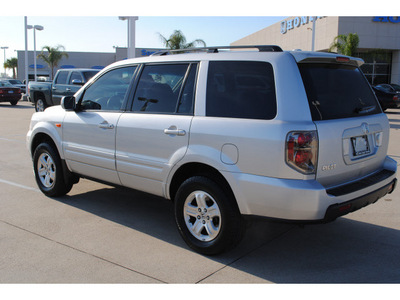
(295, 136)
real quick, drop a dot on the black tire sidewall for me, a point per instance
(59, 188)
(36, 104)
(231, 225)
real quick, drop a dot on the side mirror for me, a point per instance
(77, 82)
(68, 103)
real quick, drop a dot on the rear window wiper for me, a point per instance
(364, 110)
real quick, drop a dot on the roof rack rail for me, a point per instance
(215, 49)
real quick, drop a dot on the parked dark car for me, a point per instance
(9, 93)
(394, 88)
(16, 83)
(66, 83)
(387, 99)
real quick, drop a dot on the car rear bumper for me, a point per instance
(10, 97)
(307, 201)
(337, 210)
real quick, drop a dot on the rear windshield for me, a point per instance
(337, 91)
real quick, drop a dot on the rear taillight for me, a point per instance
(395, 98)
(342, 59)
(302, 151)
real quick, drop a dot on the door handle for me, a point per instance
(173, 130)
(106, 125)
(68, 89)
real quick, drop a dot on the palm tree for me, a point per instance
(178, 41)
(345, 44)
(53, 57)
(12, 63)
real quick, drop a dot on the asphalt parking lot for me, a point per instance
(102, 234)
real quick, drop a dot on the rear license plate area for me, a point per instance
(360, 145)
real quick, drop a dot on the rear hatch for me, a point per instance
(353, 132)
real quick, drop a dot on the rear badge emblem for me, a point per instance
(328, 167)
(365, 128)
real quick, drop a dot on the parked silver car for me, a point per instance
(226, 135)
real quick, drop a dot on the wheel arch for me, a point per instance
(37, 95)
(42, 137)
(197, 169)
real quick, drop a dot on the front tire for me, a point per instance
(48, 171)
(207, 216)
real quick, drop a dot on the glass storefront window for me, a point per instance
(377, 66)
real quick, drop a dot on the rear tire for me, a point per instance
(207, 216)
(40, 105)
(14, 102)
(48, 171)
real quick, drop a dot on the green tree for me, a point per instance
(178, 41)
(53, 56)
(12, 63)
(345, 44)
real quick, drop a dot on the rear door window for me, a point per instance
(337, 91)
(241, 89)
(166, 88)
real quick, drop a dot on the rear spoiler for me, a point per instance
(322, 57)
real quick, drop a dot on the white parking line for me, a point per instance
(19, 185)
(12, 140)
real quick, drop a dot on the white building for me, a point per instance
(379, 44)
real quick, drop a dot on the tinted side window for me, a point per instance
(75, 76)
(62, 77)
(337, 91)
(241, 89)
(108, 91)
(89, 74)
(186, 101)
(159, 88)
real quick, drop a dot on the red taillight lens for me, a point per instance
(1, 91)
(395, 98)
(290, 149)
(342, 59)
(302, 151)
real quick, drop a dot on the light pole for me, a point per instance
(4, 48)
(26, 53)
(36, 27)
(131, 34)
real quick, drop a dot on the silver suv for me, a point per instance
(295, 136)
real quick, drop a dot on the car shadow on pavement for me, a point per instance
(345, 251)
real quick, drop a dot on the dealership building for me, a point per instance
(379, 44)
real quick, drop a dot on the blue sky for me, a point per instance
(93, 26)
(100, 34)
